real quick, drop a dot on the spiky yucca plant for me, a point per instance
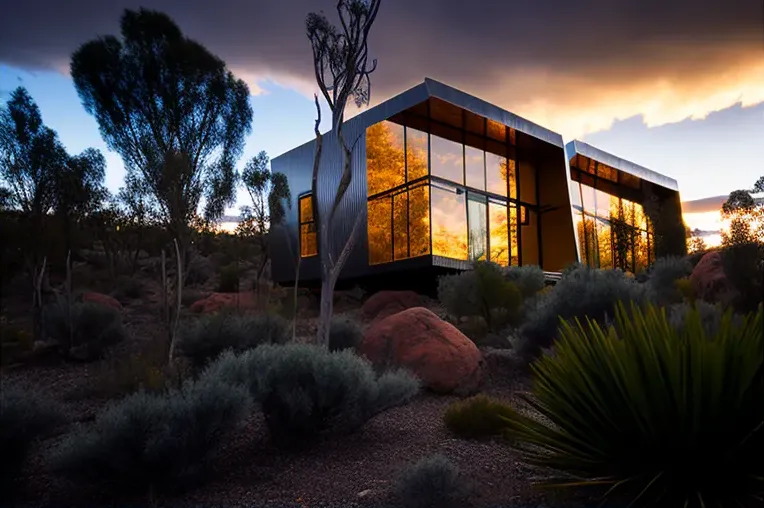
(650, 413)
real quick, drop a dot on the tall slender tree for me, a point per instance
(342, 70)
(172, 110)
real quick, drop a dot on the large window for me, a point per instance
(444, 192)
(308, 240)
(612, 232)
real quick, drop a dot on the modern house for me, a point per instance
(441, 179)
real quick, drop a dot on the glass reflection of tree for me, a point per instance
(401, 219)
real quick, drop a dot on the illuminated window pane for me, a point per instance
(497, 131)
(384, 157)
(578, 223)
(449, 222)
(416, 153)
(419, 220)
(640, 219)
(641, 252)
(380, 230)
(308, 237)
(447, 159)
(604, 203)
(629, 180)
(604, 245)
(474, 162)
(588, 194)
(590, 234)
(512, 136)
(477, 219)
(400, 226)
(515, 259)
(498, 170)
(499, 233)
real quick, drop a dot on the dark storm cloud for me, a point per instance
(544, 57)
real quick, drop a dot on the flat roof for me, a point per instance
(579, 147)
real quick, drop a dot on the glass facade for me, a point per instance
(613, 232)
(446, 192)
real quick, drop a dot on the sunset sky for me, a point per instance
(676, 86)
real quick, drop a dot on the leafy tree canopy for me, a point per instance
(172, 110)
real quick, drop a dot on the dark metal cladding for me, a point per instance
(579, 147)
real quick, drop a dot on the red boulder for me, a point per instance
(218, 301)
(386, 303)
(709, 282)
(101, 299)
(437, 352)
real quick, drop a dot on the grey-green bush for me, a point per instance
(228, 281)
(529, 279)
(710, 315)
(86, 333)
(483, 291)
(433, 482)
(203, 339)
(154, 443)
(581, 292)
(345, 333)
(24, 417)
(662, 278)
(306, 391)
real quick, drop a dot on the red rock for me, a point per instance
(436, 351)
(101, 299)
(709, 282)
(217, 301)
(386, 303)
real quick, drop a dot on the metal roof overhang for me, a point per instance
(581, 148)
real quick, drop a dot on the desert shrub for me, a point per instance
(306, 391)
(581, 292)
(15, 341)
(482, 291)
(345, 333)
(744, 266)
(128, 288)
(228, 279)
(203, 339)
(82, 330)
(529, 279)
(150, 443)
(433, 482)
(669, 415)
(663, 276)
(477, 417)
(199, 270)
(24, 418)
(685, 288)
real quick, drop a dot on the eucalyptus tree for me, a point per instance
(172, 110)
(342, 70)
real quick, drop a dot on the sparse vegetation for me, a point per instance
(24, 418)
(228, 279)
(153, 443)
(663, 278)
(529, 279)
(582, 292)
(203, 339)
(81, 330)
(484, 292)
(477, 417)
(345, 334)
(307, 391)
(686, 402)
(433, 482)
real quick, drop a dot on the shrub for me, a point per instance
(483, 292)
(345, 333)
(86, 332)
(199, 270)
(685, 289)
(477, 417)
(663, 276)
(128, 288)
(203, 339)
(153, 443)
(433, 482)
(671, 416)
(229, 279)
(15, 341)
(24, 418)
(744, 266)
(529, 279)
(306, 391)
(581, 292)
